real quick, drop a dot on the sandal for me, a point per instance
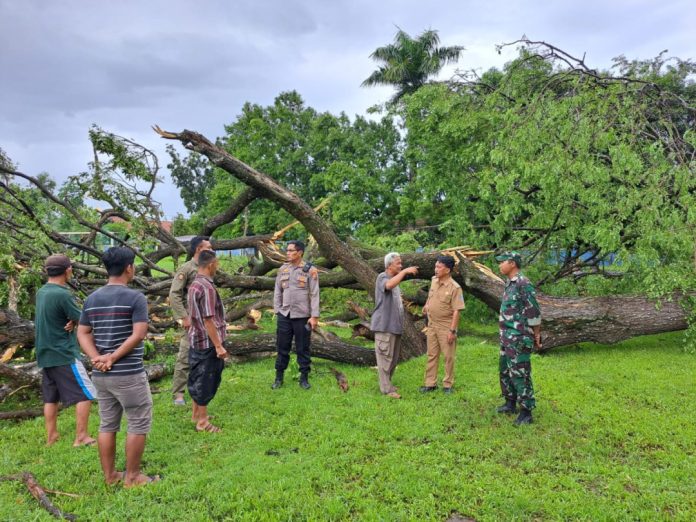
(210, 428)
(150, 479)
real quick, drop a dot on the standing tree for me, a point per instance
(409, 62)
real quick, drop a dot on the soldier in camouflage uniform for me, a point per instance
(183, 277)
(520, 332)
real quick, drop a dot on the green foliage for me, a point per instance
(612, 440)
(577, 171)
(317, 155)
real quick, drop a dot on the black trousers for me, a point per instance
(287, 330)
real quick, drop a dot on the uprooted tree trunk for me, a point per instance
(571, 320)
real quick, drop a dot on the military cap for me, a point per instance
(515, 256)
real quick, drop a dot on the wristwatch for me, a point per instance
(453, 331)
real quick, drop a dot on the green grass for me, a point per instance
(614, 439)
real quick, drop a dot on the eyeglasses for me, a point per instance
(291, 250)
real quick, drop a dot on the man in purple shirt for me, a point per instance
(206, 334)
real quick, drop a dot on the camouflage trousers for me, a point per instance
(515, 369)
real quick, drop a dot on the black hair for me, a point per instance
(299, 245)
(206, 258)
(197, 240)
(116, 259)
(448, 261)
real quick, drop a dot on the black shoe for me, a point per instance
(427, 389)
(509, 407)
(525, 417)
(447, 390)
(277, 384)
(304, 384)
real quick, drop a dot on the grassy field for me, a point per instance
(614, 439)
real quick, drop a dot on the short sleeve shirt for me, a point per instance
(204, 302)
(111, 312)
(443, 300)
(296, 293)
(55, 306)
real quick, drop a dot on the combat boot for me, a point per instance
(304, 382)
(525, 417)
(509, 407)
(278, 381)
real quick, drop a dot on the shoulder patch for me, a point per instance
(181, 276)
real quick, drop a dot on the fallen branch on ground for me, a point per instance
(39, 494)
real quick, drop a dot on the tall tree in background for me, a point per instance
(409, 62)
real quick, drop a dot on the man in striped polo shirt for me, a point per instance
(206, 335)
(112, 327)
(64, 379)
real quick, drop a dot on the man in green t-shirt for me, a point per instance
(65, 379)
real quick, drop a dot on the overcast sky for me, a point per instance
(126, 65)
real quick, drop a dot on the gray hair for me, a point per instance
(389, 258)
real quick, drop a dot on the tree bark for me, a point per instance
(572, 320)
(325, 348)
(14, 329)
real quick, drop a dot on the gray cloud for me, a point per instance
(125, 65)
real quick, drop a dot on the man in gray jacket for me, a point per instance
(388, 320)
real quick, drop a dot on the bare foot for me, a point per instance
(52, 439)
(84, 441)
(141, 480)
(393, 395)
(115, 478)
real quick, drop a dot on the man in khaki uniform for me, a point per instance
(445, 300)
(183, 277)
(296, 304)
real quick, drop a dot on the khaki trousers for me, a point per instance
(387, 350)
(181, 367)
(437, 343)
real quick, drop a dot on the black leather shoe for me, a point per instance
(427, 389)
(525, 417)
(447, 390)
(304, 384)
(277, 384)
(508, 408)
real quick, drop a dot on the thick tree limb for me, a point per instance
(413, 341)
(329, 348)
(14, 329)
(236, 207)
(19, 377)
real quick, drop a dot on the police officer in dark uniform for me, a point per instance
(296, 304)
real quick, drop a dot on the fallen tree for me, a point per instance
(346, 265)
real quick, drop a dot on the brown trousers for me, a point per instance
(387, 350)
(437, 343)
